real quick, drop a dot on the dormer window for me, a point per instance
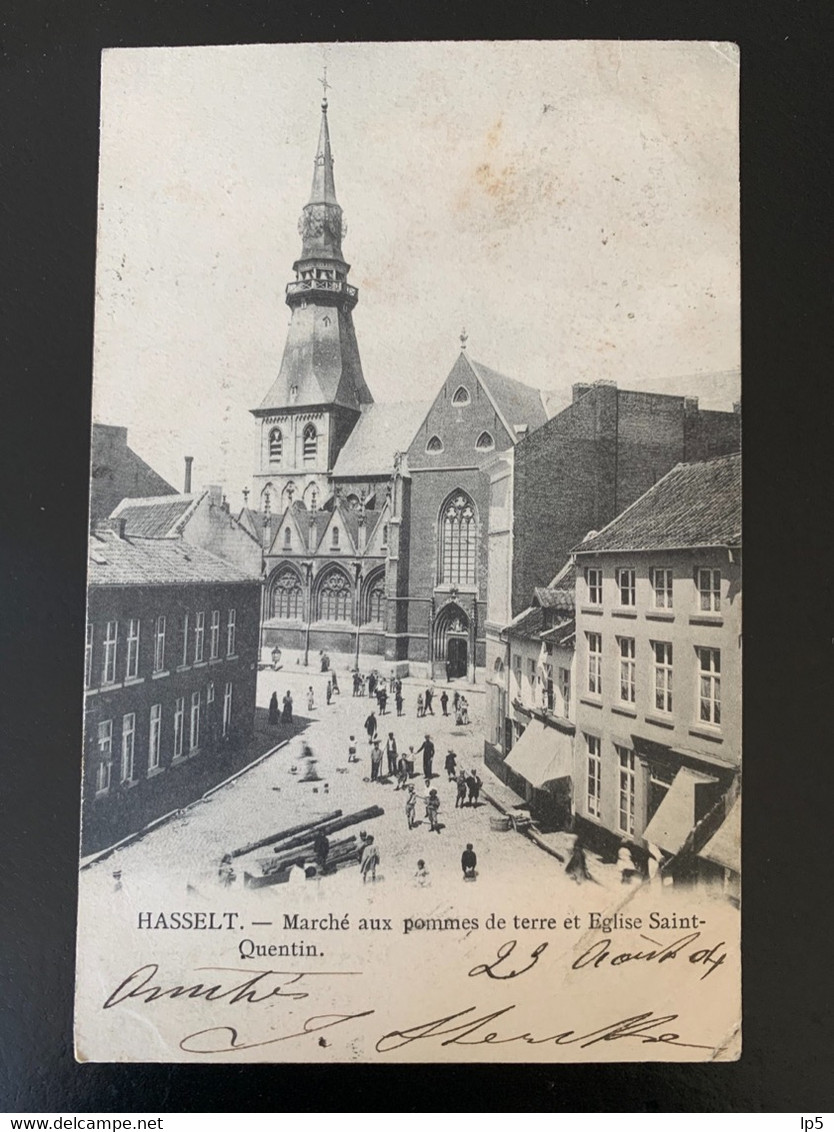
(276, 446)
(334, 538)
(287, 538)
(461, 396)
(310, 443)
(435, 444)
(485, 442)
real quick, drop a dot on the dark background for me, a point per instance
(49, 75)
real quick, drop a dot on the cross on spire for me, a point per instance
(325, 87)
(464, 338)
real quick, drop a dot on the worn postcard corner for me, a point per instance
(413, 648)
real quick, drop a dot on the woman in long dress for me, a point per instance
(286, 713)
(273, 708)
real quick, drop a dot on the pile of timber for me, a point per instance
(297, 844)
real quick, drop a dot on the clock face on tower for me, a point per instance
(320, 218)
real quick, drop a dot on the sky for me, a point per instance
(573, 205)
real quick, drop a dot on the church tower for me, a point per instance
(318, 395)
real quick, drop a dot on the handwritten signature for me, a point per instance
(465, 1027)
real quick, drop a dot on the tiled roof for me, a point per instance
(563, 634)
(154, 517)
(528, 624)
(693, 505)
(382, 430)
(561, 592)
(136, 561)
(517, 403)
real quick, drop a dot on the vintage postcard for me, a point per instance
(413, 652)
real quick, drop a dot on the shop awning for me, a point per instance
(724, 847)
(542, 754)
(675, 816)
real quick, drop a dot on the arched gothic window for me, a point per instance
(287, 538)
(457, 541)
(287, 600)
(334, 598)
(334, 537)
(352, 501)
(310, 442)
(485, 441)
(435, 445)
(461, 396)
(375, 599)
(276, 446)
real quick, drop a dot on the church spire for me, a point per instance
(321, 226)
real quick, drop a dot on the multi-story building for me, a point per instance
(574, 474)
(658, 671)
(169, 677)
(530, 707)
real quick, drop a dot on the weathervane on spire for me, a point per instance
(325, 87)
(464, 338)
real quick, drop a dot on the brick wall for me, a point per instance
(591, 461)
(117, 473)
(124, 808)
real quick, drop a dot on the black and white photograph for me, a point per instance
(412, 679)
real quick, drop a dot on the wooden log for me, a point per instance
(303, 852)
(334, 826)
(284, 833)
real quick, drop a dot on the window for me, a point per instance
(662, 588)
(88, 657)
(709, 685)
(594, 663)
(227, 709)
(435, 444)
(154, 737)
(194, 732)
(179, 727)
(132, 668)
(662, 675)
(214, 639)
(547, 686)
(286, 595)
(709, 590)
(334, 538)
(625, 584)
(184, 640)
(593, 584)
(457, 541)
(334, 597)
(105, 755)
(531, 675)
(485, 442)
(564, 690)
(111, 639)
(276, 446)
(627, 667)
(159, 645)
(231, 628)
(376, 600)
(199, 637)
(310, 443)
(627, 790)
(594, 775)
(461, 396)
(210, 693)
(128, 743)
(287, 538)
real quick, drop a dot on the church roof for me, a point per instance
(382, 430)
(515, 403)
(156, 516)
(693, 505)
(137, 561)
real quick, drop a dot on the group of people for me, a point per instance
(284, 714)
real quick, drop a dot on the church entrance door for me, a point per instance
(456, 657)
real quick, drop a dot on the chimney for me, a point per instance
(189, 460)
(690, 405)
(580, 388)
(215, 494)
(117, 525)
